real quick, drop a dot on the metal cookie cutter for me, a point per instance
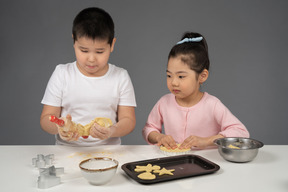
(48, 173)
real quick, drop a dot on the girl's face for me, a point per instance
(183, 82)
(92, 56)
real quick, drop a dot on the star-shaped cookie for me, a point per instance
(164, 171)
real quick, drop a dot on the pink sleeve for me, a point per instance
(230, 125)
(154, 122)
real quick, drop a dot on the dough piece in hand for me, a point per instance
(164, 171)
(147, 176)
(147, 168)
(68, 125)
(102, 121)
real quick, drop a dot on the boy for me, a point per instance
(90, 87)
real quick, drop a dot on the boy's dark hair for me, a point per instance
(194, 54)
(94, 23)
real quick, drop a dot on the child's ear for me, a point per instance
(73, 38)
(203, 76)
(112, 45)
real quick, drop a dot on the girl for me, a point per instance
(190, 117)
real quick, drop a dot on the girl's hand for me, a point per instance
(167, 141)
(195, 141)
(67, 132)
(102, 133)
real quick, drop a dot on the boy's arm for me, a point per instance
(126, 121)
(45, 123)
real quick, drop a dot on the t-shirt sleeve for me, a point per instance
(53, 92)
(127, 94)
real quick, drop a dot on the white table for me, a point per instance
(268, 172)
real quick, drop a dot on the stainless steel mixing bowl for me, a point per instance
(238, 149)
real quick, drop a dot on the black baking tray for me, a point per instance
(184, 165)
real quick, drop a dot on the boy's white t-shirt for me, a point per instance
(86, 98)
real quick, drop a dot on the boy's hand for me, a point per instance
(68, 132)
(167, 141)
(194, 141)
(102, 133)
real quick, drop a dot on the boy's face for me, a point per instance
(92, 56)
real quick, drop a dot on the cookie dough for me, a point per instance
(148, 171)
(233, 146)
(174, 150)
(147, 176)
(148, 168)
(85, 130)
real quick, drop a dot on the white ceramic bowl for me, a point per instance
(98, 171)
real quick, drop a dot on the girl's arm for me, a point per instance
(230, 125)
(153, 137)
(152, 130)
(210, 140)
(45, 123)
(168, 141)
(199, 142)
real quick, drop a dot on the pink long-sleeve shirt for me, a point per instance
(207, 118)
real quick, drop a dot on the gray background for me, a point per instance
(247, 46)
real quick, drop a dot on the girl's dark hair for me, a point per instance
(194, 54)
(94, 23)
